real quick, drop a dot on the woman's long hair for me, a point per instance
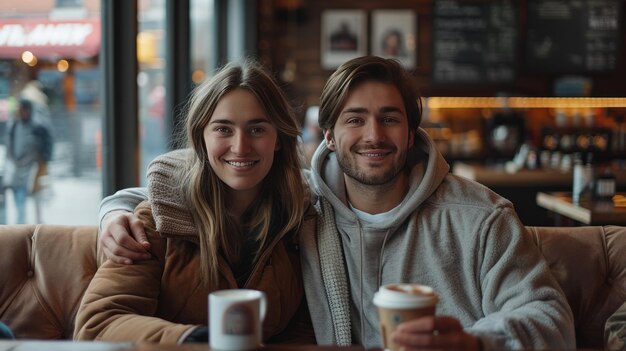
(281, 201)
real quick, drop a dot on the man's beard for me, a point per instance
(348, 165)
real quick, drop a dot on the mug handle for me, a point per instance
(263, 308)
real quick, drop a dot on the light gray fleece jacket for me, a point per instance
(452, 234)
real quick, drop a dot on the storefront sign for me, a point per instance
(49, 39)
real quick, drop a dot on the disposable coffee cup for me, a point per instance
(398, 303)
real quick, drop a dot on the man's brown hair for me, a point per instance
(368, 68)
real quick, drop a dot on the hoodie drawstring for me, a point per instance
(380, 259)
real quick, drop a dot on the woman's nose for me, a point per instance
(241, 144)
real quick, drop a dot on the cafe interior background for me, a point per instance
(506, 84)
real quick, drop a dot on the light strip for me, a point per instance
(440, 102)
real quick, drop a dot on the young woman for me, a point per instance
(223, 213)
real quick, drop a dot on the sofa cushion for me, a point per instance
(590, 265)
(46, 269)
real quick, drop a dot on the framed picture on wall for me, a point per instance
(394, 35)
(343, 36)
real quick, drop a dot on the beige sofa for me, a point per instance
(45, 269)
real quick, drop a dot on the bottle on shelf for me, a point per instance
(605, 185)
(582, 178)
(619, 139)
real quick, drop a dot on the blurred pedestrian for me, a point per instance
(33, 91)
(29, 148)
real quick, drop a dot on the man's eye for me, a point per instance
(353, 121)
(257, 130)
(390, 120)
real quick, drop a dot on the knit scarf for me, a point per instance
(172, 217)
(333, 272)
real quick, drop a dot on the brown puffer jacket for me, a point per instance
(162, 299)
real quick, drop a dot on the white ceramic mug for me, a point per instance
(235, 318)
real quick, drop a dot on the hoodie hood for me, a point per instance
(428, 168)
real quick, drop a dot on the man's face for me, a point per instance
(371, 136)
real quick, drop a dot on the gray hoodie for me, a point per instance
(450, 233)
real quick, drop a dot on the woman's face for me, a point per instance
(240, 141)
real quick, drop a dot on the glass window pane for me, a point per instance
(69, 3)
(202, 39)
(50, 60)
(151, 80)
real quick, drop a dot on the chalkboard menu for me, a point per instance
(474, 41)
(574, 36)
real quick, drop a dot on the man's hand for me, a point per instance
(434, 332)
(123, 238)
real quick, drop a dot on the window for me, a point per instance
(69, 81)
(69, 3)
(60, 76)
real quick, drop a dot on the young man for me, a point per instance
(389, 212)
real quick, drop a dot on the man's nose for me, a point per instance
(374, 132)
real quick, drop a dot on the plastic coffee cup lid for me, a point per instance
(405, 296)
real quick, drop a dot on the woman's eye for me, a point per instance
(222, 130)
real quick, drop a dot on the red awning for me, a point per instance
(48, 39)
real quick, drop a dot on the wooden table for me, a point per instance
(56, 345)
(31, 345)
(589, 212)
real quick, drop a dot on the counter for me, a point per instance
(521, 187)
(497, 176)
